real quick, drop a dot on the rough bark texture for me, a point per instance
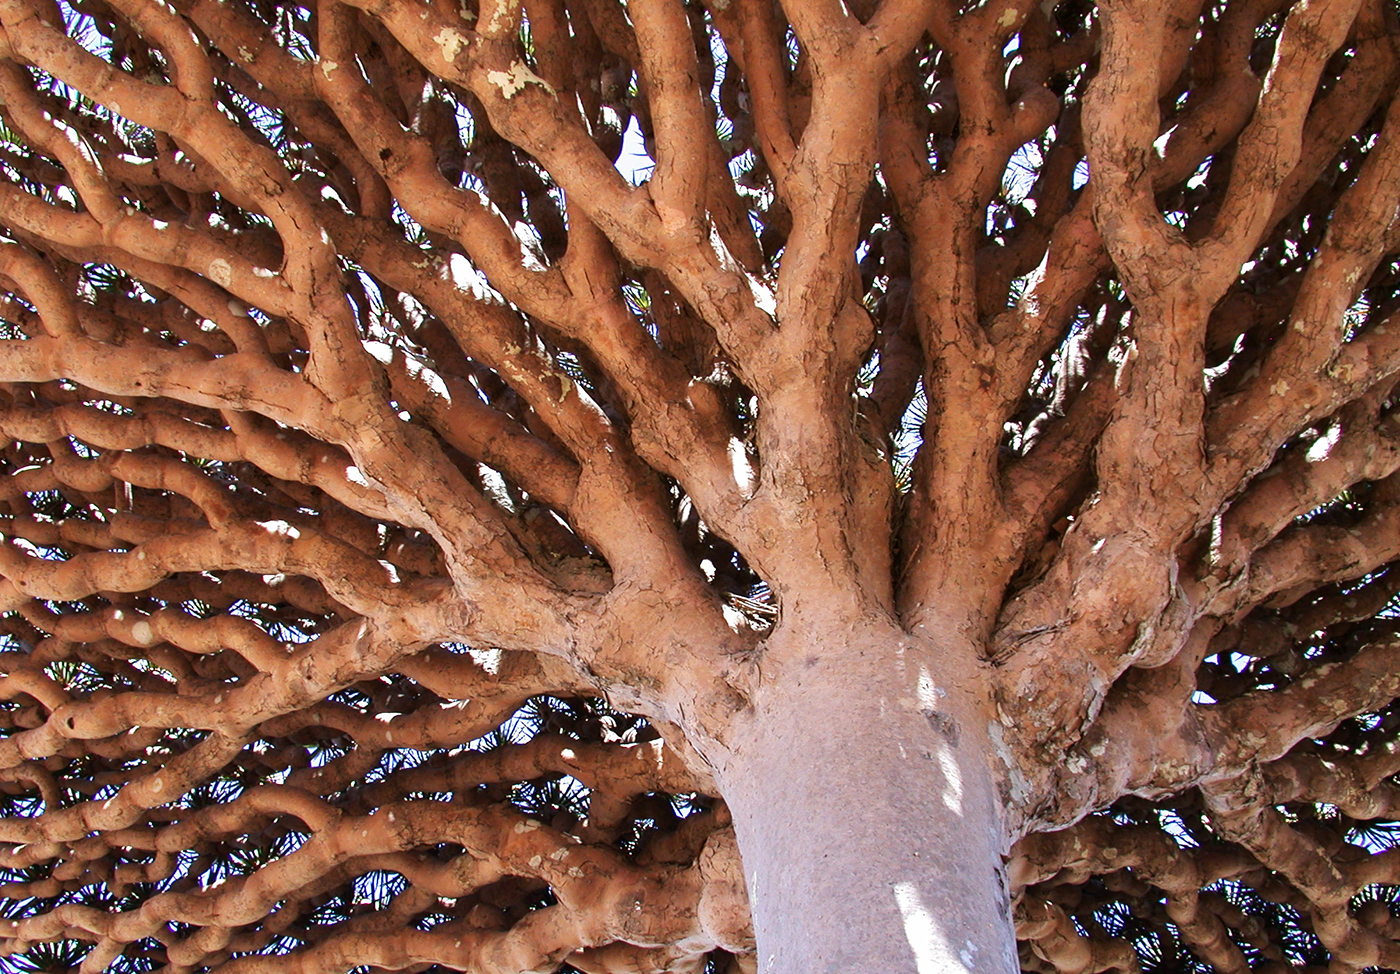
(699, 485)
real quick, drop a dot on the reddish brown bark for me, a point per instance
(945, 495)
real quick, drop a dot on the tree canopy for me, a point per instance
(433, 428)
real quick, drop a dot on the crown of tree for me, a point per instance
(731, 486)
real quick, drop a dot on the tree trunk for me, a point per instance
(864, 801)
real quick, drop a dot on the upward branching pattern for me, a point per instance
(386, 383)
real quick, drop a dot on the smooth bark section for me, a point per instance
(878, 850)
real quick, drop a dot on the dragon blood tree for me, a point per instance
(699, 485)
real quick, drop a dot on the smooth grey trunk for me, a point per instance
(866, 813)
